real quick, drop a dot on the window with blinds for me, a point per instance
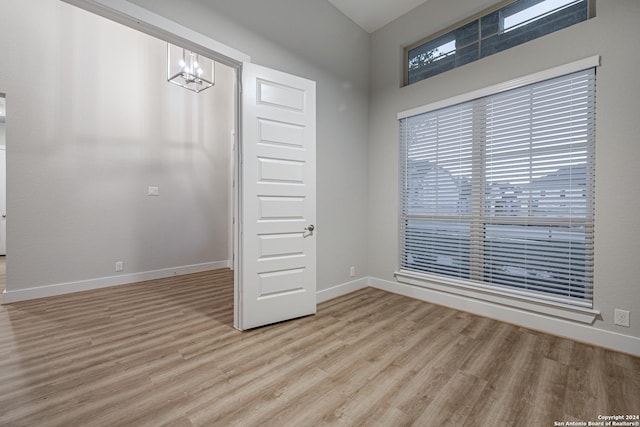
(499, 191)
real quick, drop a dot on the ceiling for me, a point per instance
(374, 14)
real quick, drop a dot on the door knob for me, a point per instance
(310, 228)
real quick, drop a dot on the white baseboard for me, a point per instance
(563, 328)
(103, 282)
(342, 289)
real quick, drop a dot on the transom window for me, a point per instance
(493, 31)
(498, 192)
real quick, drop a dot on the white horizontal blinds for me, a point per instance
(436, 198)
(539, 187)
(500, 190)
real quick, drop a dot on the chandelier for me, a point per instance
(189, 70)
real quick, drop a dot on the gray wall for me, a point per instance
(92, 123)
(314, 40)
(612, 34)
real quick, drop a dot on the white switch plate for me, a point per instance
(154, 191)
(119, 266)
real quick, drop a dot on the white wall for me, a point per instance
(314, 40)
(612, 34)
(92, 124)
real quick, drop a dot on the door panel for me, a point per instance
(277, 274)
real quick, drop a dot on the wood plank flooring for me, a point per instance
(164, 352)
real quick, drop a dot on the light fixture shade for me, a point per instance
(189, 70)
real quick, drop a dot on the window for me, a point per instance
(498, 191)
(492, 32)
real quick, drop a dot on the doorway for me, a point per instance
(274, 205)
(116, 175)
(274, 229)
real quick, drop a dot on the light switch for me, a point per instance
(153, 191)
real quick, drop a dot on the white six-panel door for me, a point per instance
(277, 241)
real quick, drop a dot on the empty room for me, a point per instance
(319, 212)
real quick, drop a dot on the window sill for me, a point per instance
(452, 286)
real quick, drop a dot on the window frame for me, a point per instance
(488, 293)
(591, 13)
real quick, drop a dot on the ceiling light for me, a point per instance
(189, 70)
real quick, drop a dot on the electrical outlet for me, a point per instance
(621, 317)
(119, 266)
(154, 191)
(352, 271)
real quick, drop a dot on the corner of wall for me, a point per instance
(341, 289)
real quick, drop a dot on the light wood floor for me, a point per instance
(164, 353)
